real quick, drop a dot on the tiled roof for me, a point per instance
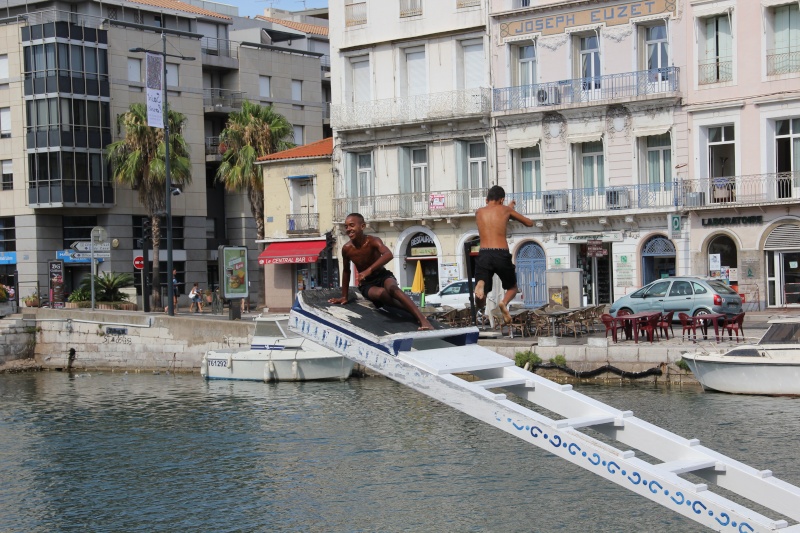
(299, 26)
(323, 148)
(177, 5)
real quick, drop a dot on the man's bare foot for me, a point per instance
(425, 325)
(479, 290)
(504, 310)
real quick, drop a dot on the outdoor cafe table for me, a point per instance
(553, 316)
(703, 320)
(629, 322)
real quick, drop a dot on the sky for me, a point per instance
(252, 8)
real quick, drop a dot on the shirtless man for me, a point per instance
(369, 255)
(494, 257)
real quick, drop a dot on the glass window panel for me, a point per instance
(41, 115)
(93, 113)
(55, 172)
(77, 58)
(728, 133)
(50, 57)
(658, 140)
(796, 125)
(95, 169)
(264, 88)
(81, 168)
(102, 61)
(714, 135)
(477, 150)
(782, 127)
(67, 166)
(63, 56)
(53, 120)
(90, 56)
(66, 115)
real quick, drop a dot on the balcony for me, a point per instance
(410, 8)
(222, 100)
(784, 61)
(586, 90)
(325, 63)
(716, 70)
(302, 224)
(740, 191)
(355, 14)
(411, 206)
(411, 109)
(220, 53)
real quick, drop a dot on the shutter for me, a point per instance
(3, 67)
(5, 120)
(351, 185)
(473, 66)
(415, 68)
(7, 167)
(461, 165)
(782, 28)
(264, 89)
(725, 43)
(297, 90)
(134, 69)
(172, 74)
(404, 157)
(360, 80)
(784, 237)
(711, 38)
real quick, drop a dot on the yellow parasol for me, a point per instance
(419, 282)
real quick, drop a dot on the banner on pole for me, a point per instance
(155, 84)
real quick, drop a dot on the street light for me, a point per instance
(168, 195)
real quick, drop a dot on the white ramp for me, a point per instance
(428, 361)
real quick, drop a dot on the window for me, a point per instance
(297, 90)
(8, 175)
(134, 69)
(172, 75)
(787, 156)
(473, 64)
(5, 122)
(359, 85)
(7, 235)
(722, 163)
(77, 228)
(157, 21)
(716, 63)
(526, 65)
(264, 86)
(298, 135)
(416, 73)
(589, 67)
(478, 168)
(3, 66)
(785, 55)
(658, 162)
(656, 50)
(530, 172)
(364, 169)
(419, 170)
(591, 168)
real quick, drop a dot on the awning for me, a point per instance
(291, 252)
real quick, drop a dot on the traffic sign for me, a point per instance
(86, 246)
(138, 262)
(87, 255)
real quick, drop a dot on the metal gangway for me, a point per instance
(432, 362)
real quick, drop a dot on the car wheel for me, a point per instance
(702, 312)
(627, 310)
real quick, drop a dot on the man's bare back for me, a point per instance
(492, 223)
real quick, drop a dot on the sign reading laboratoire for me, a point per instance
(581, 238)
(233, 270)
(675, 226)
(615, 15)
(155, 90)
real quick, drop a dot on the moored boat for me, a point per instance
(770, 367)
(276, 355)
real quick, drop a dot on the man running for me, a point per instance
(376, 283)
(494, 257)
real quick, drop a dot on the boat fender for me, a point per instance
(272, 370)
(267, 372)
(294, 370)
(204, 366)
(230, 362)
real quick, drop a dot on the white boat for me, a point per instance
(771, 366)
(275, 354)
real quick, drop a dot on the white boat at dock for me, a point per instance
(275, 354)
(769, 367)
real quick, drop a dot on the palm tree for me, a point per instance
(251, 133)
(138, 161)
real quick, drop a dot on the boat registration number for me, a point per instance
(218, 362)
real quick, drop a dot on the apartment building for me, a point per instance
(411, 110)
(743, 177)
(65, 77)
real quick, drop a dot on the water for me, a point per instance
(141, 452)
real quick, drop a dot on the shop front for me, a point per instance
(421, 249)
(292, 266)
(782, 251)
(593, 252)
(658, 259)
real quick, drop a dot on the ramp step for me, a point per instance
(583, 421)
(681, 466)
(500, 383)
(456, 360)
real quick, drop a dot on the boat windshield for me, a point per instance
(272, 328)
(782, 333)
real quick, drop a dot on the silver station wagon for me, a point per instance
(682, 294)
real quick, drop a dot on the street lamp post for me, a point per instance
(168, 188)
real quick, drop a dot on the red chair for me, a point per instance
(611, 325)
(688, 325)
(665, 322)
(736, 324)
(649, 326)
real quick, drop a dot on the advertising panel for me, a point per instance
(235, 282)
(56, 284)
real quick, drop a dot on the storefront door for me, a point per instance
(531, 266)
(658, 259)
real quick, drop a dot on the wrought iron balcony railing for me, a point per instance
(355, 14)
(219, 47)
(783, 61)
(424, 107)
(302, 223)
(411, 205)
(212, 146)
(714, 70)
(754, 189)
(223, 98)
(410, 8)
(582, 90)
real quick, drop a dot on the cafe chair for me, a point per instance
(573, 322)
(610, 324)
(665, 322)
(649, 326)
(519, 324)
(735, 323)
(688, 325)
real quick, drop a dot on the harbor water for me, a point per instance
(143, 452)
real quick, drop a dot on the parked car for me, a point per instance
(456, 294)
(682, 294)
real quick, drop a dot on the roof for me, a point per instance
(177, 5)
(300, 26)
(323, 148)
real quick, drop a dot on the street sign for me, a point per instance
(86, 246)
(594, 248)
(87, 255)
(138, 262)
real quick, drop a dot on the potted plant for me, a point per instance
(108, 293)
(80, 297)
(31, 300)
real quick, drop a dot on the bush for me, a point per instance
(107, 286)
(683, 365)
(3, 294)
(80, 294)
(559, 360)
(521, 358)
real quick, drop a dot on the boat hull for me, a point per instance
(738, 376)
(266, 365)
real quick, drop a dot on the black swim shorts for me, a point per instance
(376, 279)
(493, 261)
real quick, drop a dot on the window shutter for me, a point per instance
(462, 173)
(415, 68)
(351, 184)
(405, 170)
(725, 43)
(3, 67)
(473, 66)
(134, 69)
(297, 90)
(360, 81)
(5, 120)
(264, 89)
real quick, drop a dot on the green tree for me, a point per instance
(250, 134)
(138, 162)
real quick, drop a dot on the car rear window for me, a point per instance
(721, 287)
